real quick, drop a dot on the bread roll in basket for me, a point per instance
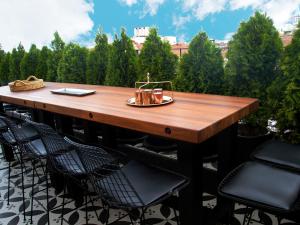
(30, 83)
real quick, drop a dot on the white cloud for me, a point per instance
(129, 2)
(110, 38)
(238, 4)
(280, 11)
(35, 21)
(203, 8)
(228, 36)
(180, 21)
(182, 38)
(151, 7)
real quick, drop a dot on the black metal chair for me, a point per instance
(63, 159)
(279, 153)
(129, 186)
(263, 187)
(18, 137)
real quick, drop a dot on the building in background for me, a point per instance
(286, 33)
(141, 33)
(180, 48)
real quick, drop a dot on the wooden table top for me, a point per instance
(191, 117)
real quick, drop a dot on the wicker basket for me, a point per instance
(30, 83)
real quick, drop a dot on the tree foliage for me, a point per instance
(2, 59)
(123, 64)
(287, 97)
(253, 57)
(14, 63)
(157, 59)
(2, 54)
(201, 69)
(57, 46)
(72, 66)
(97, 60)
(4, 69)
(42, 67)
(29, 62)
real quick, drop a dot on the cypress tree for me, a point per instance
(72, 66)
(4, 69)
(2, 59)
(157, 59)
(252, 66)
(285, 94)
(97, 60)
(30, 62)
(57, 46)
(123, 65)
(42, 67)
(14, 63)
(201, 69)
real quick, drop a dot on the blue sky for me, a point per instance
(35, 21)
(111, 15)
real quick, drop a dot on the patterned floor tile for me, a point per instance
(12, 214)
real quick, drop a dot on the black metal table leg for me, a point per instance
(109, 136)
(42, 116)
(227, 160)
(64, 124)
(90, 132)
(190, 160)
(190, 198)
(47, 118)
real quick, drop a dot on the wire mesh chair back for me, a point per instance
(54, 143)
(108, 180)
(95, 160)
(59, 151)
(17, 133)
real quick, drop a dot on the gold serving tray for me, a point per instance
(166, 100)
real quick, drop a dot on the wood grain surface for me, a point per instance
(192, 117)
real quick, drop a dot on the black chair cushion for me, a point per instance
(137, 185)
(3, 126)
(36, 147)
(279, 153)
(262, 186)
(9, 137)
(29, 132)
(25, 133)
(69, 162)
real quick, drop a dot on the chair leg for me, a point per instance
(93, 206)
(130, 217)
(248, 216)
(63, 206)
(47, 194)
(142, 218)
(32, 191)
(176, 216)
(86, 209)
(23, 190)
(8, 182)
(107, 216)
(278, 219)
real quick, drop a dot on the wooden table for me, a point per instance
(191, 120)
